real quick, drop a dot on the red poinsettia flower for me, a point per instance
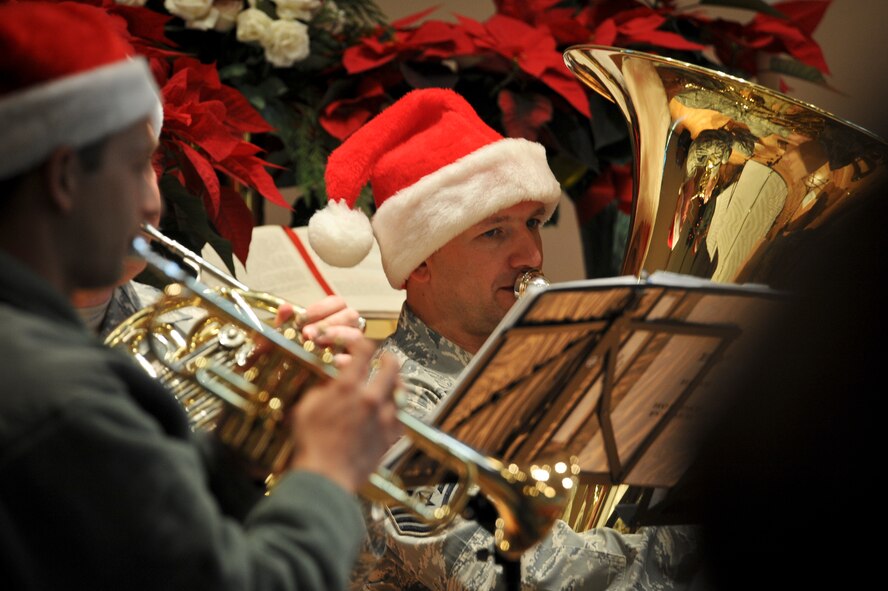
(203, 135)
(533, 50)
(568, 26)
(792, 35)
(740, 45)
(343, 117)
(524, 115)
(525, 10)
(640, 26)
(430, 40)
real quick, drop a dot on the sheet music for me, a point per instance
(276, 266)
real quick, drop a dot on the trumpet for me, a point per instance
(241, 392)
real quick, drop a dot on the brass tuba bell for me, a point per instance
(728, 175)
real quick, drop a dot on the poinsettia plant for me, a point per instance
(259, 92)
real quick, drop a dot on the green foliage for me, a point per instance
(796, 69)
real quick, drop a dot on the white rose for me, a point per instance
(228, 13)
(253, 25)
(287, 43)
(206, 23)
(293, 9)
(189, 10)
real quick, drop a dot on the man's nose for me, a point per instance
(150, 206)
(528, 251)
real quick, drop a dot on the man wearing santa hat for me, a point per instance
(102, 483)
(458, 216)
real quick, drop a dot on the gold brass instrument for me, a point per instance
(728, 174)
(730, 177)
(203, 343)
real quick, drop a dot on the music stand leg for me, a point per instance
(480, 510)
(511, 572)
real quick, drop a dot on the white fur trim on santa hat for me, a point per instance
(341, 236)
(74, 111)
(418, 220)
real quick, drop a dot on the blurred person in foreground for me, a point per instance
(102, 483)
(789, 475)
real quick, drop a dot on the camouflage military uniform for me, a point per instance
(402, 554)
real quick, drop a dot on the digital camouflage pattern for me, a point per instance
(126, 300)
(401, 552)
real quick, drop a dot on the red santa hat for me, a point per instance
(67, 78)
(436, 169)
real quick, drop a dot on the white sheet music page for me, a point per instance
(282, 262)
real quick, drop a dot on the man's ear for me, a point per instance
(421, 274)
(62, 176)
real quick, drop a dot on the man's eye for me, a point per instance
(493, 233)
(534, 223)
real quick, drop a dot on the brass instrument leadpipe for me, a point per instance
(192, 258)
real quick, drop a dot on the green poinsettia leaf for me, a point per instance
(428, 75)
(299, 134)
(260, 94)
(233, 71)
(254, 95)
(567, 170)
(223, 249)
(273, 87)
(186, 221)
(754, 5)
(792, 67)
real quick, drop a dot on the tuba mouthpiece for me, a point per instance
(529, 281)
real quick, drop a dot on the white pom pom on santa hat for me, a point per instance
(341, 236)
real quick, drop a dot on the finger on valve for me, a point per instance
(288, 312)
(339, 338)
(331, 314)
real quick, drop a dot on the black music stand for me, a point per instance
(621, 373)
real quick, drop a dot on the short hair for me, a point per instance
(90, 157)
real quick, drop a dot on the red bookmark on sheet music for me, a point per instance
(303, 252)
